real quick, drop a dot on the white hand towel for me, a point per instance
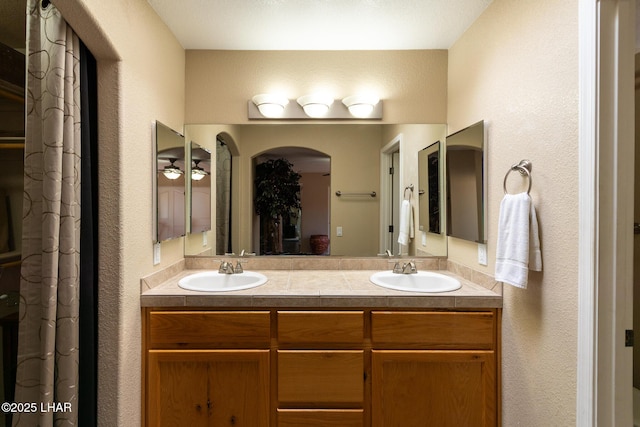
(406, 231)
(518, 246)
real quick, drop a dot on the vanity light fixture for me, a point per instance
(172, 171)
(315, 105)
(361, 106)
(270, 105)
(197, 173)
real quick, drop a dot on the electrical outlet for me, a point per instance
(339, 231)
(482, 254)
(204, 238)
(156, 253)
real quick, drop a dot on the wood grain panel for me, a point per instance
(433, 388)
(172, 329)
(321, 377)
(208, 387)
(321, 328)
(433, 330)
(320, 418)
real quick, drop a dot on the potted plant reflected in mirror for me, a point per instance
(277, 195)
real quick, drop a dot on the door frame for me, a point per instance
(605, 256)
(386, 192)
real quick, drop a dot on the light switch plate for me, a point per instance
(482, 254)
(156, 253)
(339, 231)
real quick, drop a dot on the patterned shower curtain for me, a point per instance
(47, 376)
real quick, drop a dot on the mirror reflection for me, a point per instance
(429, 191)
(199, 189)
(223, 196)
(170, 183)
(299, 180)
(329, 157)
(465, 184)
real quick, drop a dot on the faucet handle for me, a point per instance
(224, 265)
(239, 268)
(396, 267)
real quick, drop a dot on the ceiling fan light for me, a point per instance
(172, 172)
(197, 173)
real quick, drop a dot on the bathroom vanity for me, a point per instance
(321, 348)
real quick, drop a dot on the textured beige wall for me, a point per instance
(517, 68)
(412, 84)
(140, 80)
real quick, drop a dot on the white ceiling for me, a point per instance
(318, 24)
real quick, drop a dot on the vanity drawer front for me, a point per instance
(231, 329)
(321, 377)
(321, 328)
(320, 418)
(433, 330)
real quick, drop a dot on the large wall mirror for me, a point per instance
(169, 183)
(330, 158)
(466, 217)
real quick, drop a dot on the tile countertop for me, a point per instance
(320, 289)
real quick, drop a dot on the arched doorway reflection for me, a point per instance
(313, 218)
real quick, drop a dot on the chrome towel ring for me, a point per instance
(524, 167)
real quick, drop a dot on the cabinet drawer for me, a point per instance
(320, 418)
(433, 330)
(321, 377)
(322, 328)
(231, 329)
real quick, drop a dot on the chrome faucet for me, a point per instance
(405, 268)
(409, 268)
(226, 267)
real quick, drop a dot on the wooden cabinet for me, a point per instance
(200, 372)
(313, 368)
(434, 369)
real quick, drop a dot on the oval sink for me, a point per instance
(212, 281)
(422, 281)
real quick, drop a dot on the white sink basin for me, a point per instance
(212, 281)
(422, 281)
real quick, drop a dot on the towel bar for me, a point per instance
(524, 167)
(340, 193)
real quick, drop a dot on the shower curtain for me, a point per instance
(47, 374)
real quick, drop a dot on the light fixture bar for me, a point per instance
(293, 111)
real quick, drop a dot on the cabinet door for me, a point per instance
(208, 387)
(433, 388)
(177, 389)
